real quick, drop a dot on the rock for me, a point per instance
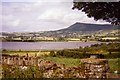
(95, 68)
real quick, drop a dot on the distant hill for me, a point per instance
(88, 27)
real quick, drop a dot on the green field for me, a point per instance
(62, 60)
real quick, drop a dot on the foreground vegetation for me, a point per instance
(34, 71)
(68, 57)
(16, 72)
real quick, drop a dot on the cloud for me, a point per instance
(16, 22)
(41, 16)
(36, 0)
(10, 20)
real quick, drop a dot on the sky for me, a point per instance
(40, 15)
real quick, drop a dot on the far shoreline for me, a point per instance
(58, 41)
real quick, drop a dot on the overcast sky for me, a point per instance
(40, 15)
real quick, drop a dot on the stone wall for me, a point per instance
(52, 70)
(95, 68)
(18, 60)
(90, 67)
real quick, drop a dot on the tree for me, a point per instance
(108, 11)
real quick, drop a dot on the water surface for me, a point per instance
(45, 45)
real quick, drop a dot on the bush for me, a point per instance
(4, 50)
(16, 72)
(52, 54)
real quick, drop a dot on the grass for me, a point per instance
(23, 53)
(114, 64)
(66, 61)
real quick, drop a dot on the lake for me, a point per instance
(45, 45)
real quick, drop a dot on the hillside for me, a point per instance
(88, 27)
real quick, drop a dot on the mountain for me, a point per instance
(88, 27)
